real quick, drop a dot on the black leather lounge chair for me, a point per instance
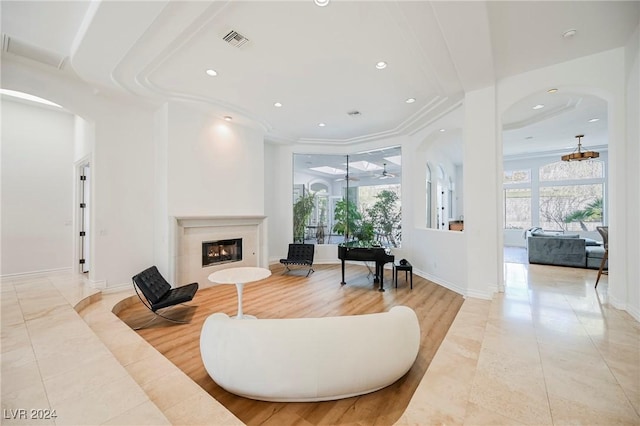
(158, 293)
(299, 254)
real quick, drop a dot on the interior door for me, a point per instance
(84, 217)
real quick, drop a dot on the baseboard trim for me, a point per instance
(35, 273)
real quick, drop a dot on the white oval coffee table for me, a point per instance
(239, 276)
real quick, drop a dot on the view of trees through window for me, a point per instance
(564, 196)
(339, 198)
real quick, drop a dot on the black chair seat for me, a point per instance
(176, 296)
(158, 292)
(299, 254)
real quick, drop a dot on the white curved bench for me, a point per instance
(309, 359)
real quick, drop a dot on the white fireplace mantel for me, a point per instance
(188, 233)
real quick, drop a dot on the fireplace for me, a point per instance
(222, 251)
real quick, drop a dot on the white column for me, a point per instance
(481, 196)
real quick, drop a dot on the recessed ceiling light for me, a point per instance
(277, 105)
(228, 118)
(593, 120)
(443, 130)
(539, 106)
(410, 100)
(569, 33)
(381, 65)
(321, 3)
(211, 72)
(552, 90)
(321, 124)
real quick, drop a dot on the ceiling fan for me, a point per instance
(348, 178)
(385, 174)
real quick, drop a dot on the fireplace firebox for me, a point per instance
(222, 251)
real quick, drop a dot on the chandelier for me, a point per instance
(579, 154)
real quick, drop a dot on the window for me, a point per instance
(571, 171)
(563, 196)
(348, 197)
(517, 199)
(517, 176)
(571, 207)
(517, 208)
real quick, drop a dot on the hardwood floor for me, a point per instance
(294, 296)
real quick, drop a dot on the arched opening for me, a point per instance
(542, 193)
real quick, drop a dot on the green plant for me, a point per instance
(386, 217)
(347, 218)
(591, 213)
(365, 232)
(301, 212)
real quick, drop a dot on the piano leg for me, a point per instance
(343, 282)
(380, 275)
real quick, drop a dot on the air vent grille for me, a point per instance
(236, 39)
(354, 113)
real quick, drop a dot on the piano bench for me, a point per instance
(407, 268)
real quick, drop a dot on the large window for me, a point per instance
(517, 208)
(517, 199)
(564, 196)
(571, 207)
(345, 198)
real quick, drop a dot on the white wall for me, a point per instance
(122, 171)
(37, 188)
(632, 196)
(214, 167)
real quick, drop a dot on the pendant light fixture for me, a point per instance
(579, 154)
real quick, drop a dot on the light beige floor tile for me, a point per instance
(17, 358)
(512, 387)
(62, 358)
(511, 344)
(199, 411)
(14, 337)
(61, 324)
(131, 350)
(169, 390)
(590, 390)
(574, 360)
(87, 376)
(427, 414)
(153, 367)
(11, 314)
(566, 411)
(24, 397)
(448, 392)
(479, 416)
(22, 377)
(100, 405)
(146, 414)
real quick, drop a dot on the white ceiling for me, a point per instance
(319, 62)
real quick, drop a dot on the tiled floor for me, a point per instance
(547, 351)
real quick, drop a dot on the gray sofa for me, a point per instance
(557, 248)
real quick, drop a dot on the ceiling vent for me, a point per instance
(35, 53)
(354, 113)
(235, 39)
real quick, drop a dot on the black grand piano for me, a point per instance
(366, 254)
